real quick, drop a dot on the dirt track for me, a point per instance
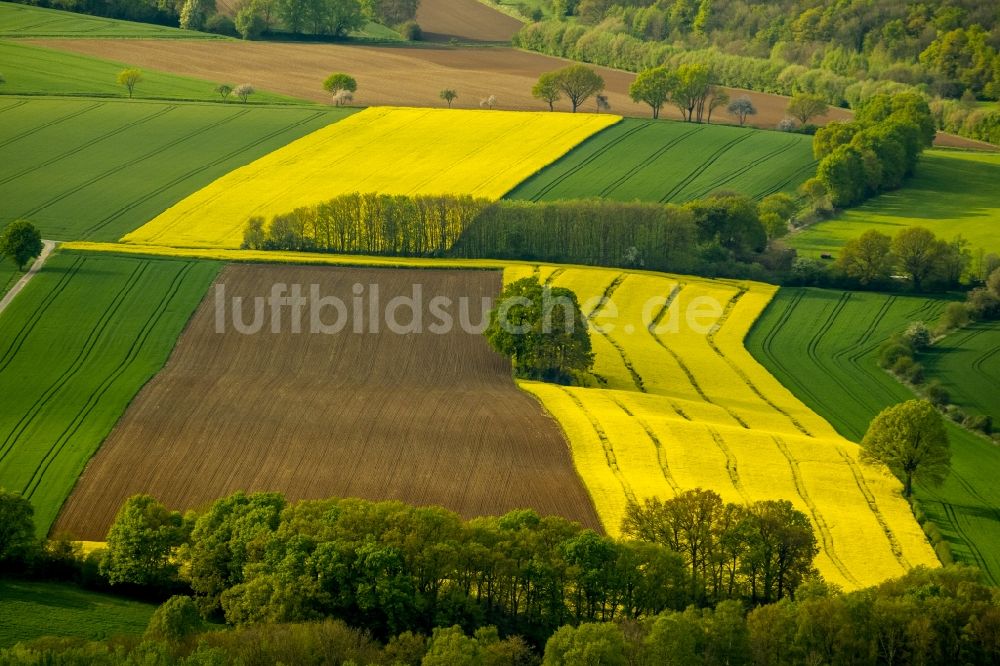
(426, 418)
(465, 20)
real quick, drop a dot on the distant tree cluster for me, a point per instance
(914, 252)
(577, 82)
(876, 150)
(690, 88)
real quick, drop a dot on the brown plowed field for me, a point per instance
(466, 20)
(400, 76)
(426, 418)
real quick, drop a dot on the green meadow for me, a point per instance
(18, 20)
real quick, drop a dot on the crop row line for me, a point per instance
(606, 445)
(824, 530)
(605, 298)
(202, 167)
(15, 345)
(98, 393)
(749, 166)
(977, 555)
(51, 123)
(859, 480)
(588, 160)
(661, 453)
(687, 180)
(655, 155)
(82, 356)
(732, 465)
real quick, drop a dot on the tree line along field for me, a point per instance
(85, 334)
(672, 409)
(967, 363)
(387, 150)
(669, 161)
(97, 169)
(17, 20)
(952, 193)
(823, 345)
(31, 610)
(431, 419)
(35, 70)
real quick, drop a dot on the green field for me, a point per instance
(967, 362)
(822, 345)
(30, 610)
(952, 193)
(8, 275)
(97, 169)
(670, 161)
(33, 70)
(75, 346)
(27, 21)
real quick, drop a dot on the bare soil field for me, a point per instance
(423, 417)
(465, 20)
(400, 76)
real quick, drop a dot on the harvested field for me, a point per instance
(401, 76)
(465, 20)
(426, 418)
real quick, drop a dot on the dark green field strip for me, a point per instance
(673, 162)
(18, 20)
(8, 275)
(35, 70)
(85, 335)
(30, 610)
(968, 364)
(823, 346)
(97, 170)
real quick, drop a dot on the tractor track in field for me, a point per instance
(159, 150)
(98, 393)
(88, 144)
(51, 123)
(89, 231)
(606, 445)
(605, 298)
(749, 166)
(977, 555)
(589, 159)
(732, 465)
(652, 330)
(710, 338)
(808, 168)
(661, 454)
(644, 164)
(82, 356)
(859, 480)
(703, 167)
(824, 530)
(15, 345)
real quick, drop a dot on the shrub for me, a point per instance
(908, 369)
(938, 394)
(956, 315)
(176, 618)
(980, 422)
(943, 552)
(892, 350)
(918, 336)
(220, 24)
(411, 31)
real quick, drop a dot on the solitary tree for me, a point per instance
(542, 330)
(653, 87)
(578, 83)
(488, 102)
(867, 258)
(547, 89)
(129, 78)
(243, 91)
(917, 250)
(337, 83)
(804, 107)
(224, 90)
(20, 241)
(449, 96)
(909, 439)
(716, 97)
(742, 108)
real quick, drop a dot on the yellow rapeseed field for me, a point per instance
(678, 403)
(382, 149)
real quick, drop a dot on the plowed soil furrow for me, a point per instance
(422, 417)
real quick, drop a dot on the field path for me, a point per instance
(465, 20)
(47, 247)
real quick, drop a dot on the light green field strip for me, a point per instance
(18, 20)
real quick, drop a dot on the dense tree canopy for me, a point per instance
(910, 439)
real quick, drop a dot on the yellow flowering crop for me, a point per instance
(382, 149)
(678, 403)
